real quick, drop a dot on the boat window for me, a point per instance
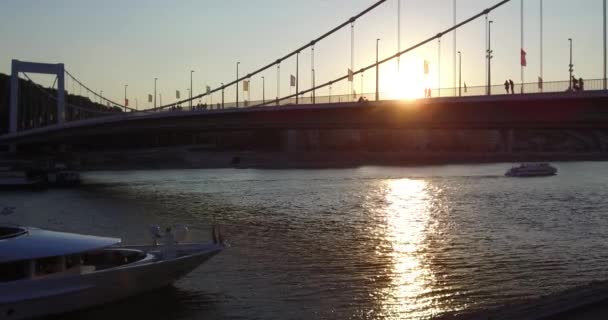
(13, 271)
(48, 266)
(73, 261)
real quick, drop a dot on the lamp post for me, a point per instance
(191, 72)
(459, 74)
(377, 72)
(605, 48)
(222, 94)
(541, 47)
(237, 84)
(126, 85)
(297, 77)
(263, 90)
(571, 65)
(155, 79)
(489, 56)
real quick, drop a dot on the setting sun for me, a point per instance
(407, 83)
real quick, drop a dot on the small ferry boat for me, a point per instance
(532, 170)
(48, 273)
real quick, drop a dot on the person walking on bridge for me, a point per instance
(512, 84)
(507, 85)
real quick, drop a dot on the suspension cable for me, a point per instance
(278, 61)
(43, 90)
(96, 94)
(399, 54)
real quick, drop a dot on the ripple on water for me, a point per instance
(369, 243)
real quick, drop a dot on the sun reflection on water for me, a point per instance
(407, 216)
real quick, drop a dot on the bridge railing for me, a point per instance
(528, 88)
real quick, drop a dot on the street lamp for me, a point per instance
(126, 85)
(263, 90)
(297, 77)
(222, 94)
(191, 72)
(459, 74)
(155, 79)
(489, 56)
(377, 72)
(571, 65)
(237, 84)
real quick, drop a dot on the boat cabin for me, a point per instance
(29, 254)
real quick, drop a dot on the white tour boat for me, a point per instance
(47, 273)
(532, 170)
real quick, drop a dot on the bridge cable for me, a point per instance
(399, 54)
(43, 90)
(96, 94)
(293, 53)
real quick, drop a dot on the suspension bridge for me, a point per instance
(301, 120)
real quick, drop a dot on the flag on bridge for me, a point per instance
(426, 67)
(177, 95)
(246, 86)
(351, 76)
(149, 98)
(524, 62)
(292, 81)
(465, 87)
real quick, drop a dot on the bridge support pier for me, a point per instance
(508, 140)
(290, 140)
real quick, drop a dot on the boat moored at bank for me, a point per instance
(48, 273)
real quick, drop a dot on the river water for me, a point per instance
(365, 243)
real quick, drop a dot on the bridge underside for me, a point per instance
(562, 123)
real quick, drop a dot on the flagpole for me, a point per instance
(522, 45)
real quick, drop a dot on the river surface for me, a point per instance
(366, 243)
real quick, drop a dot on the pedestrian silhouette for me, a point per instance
(512, 85)
(507, 85)
(575, 86)
(581, 84)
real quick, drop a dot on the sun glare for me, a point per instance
(407, 83)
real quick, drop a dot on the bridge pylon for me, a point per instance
(34, 67)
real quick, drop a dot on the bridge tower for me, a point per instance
(34, 67)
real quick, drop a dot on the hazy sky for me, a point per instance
(109, 43)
